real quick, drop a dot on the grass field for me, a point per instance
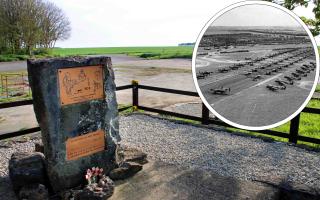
(144, 52)
(309, 126)
(12, 57)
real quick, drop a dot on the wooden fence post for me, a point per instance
(7, 90)
(2, 89)
(135, 94)
(22, 82)
(205, 115)
(294, 129)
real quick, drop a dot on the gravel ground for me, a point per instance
(6, 150)
(227, 154)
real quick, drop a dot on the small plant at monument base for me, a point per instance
(93, 175)
(99, 185)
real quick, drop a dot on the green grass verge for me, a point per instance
(15, 93)
(318, 88)
(309, 126)
(144, 52)
(126, 111)
(12, 57)
(25, 96)
(189, 121)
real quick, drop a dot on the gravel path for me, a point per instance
(203, 148)
(227, 154)
(6, 150)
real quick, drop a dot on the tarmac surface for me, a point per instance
(166, 73)
(117, 60)
(22, 65)
(250, 94)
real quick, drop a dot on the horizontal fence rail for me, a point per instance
(166, 90)
(293, 135)
(311, 110)
(19, 133)
(36, 129)
(16, 103)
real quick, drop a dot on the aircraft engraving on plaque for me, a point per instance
(80, 84)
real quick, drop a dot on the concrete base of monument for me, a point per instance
(159, 180)
(30, 181)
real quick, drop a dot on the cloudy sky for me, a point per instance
(102, 23)
(256, 15)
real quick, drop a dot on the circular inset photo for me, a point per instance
(255, 65)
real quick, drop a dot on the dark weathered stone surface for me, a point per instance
(38, 147)
(26, 168)
(126, 170)
(34, 192)
(97, 191)
(59, 123)
(134, 155)
(289, 190)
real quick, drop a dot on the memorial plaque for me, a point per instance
(76, 136)
(85, 145)
(80, 84)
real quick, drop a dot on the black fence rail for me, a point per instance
(293, 135)
(36, 129)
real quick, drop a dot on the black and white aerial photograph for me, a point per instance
(255, 65)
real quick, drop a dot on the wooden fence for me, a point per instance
(14, 84)
(293, 135)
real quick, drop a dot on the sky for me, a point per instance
(113, 23)
(255, 15)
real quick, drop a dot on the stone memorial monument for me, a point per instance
(75, 105)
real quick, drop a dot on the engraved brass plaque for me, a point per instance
(80, 84)
(85, 145)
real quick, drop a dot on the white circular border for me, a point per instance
(221, 12)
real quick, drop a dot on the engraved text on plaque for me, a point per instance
(85, 145)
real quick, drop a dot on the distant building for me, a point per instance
(187, 44)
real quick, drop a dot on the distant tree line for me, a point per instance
(29, 24)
